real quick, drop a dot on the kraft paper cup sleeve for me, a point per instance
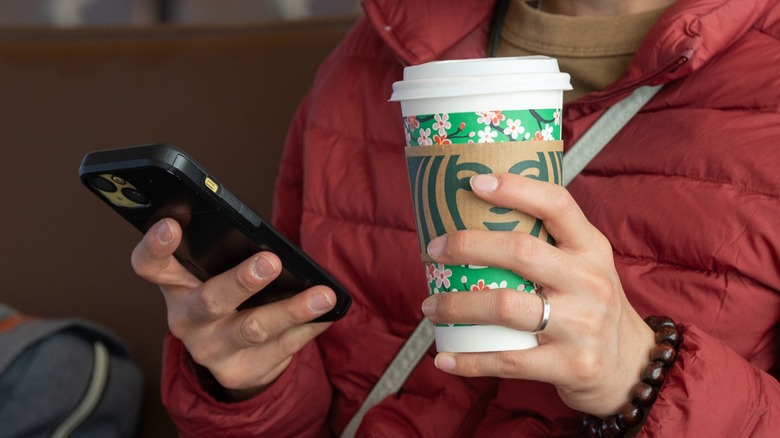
(443, 201)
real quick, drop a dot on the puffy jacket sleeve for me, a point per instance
(298, 402)
(712, 391)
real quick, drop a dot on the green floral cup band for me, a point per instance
(468, 278)
(483, 127)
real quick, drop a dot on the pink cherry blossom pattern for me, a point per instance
(429, 269)
(441, 139)
(496, 118)
(425, 137)
(487, 135)
(480, 286)
(412, 122)
(442, 276)
(513, 128)
(442, 123)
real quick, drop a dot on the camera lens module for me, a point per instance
(103, 184)
(135, 196)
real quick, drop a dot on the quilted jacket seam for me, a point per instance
(595, 173)
(355, 221)
(642, 259)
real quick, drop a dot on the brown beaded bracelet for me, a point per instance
(644, 393)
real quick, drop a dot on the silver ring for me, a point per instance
(545, 314)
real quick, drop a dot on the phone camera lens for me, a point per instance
(135, 196)
(103, 184)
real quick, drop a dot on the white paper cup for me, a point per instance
(481, 114)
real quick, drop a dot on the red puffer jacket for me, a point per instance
(687, 193)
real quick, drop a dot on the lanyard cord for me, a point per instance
(496, 24)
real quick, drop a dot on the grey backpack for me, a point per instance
(65, 378)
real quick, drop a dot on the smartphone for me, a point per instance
(147, 183)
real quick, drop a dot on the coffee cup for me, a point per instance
(478, 116)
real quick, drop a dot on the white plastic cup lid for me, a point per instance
(468, 77)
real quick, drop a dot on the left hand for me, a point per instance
(595, 343)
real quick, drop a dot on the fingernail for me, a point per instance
(445, 362)
(263, 268)
(320, 303)
(430, 305)
(436, 246)
(164, 232)
(484, 183)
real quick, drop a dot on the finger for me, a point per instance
(152, 259)
(270, 322)
(551, 203)
(504, 307)
(253, 367)
(222, 294)
(542, 363)
(532, 258)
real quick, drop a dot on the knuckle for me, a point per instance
(521, 246)
(177, 327)
(601, 243)
(446, 306)
(457, 242)
(561, 202)
(587, 367)
(228, 378)
(252, 331)
(210, 305)
(198, 356)
(508, 364)
(507, 305)
(468, 365)
(201, 353)
(298, 314)
(225, 379)
(598, 286)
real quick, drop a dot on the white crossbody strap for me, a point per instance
(595, 138)
(574, 161)
(396, 373)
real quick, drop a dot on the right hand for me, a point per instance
(245, 351)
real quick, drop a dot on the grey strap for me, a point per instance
(97, 386)
(589, 145)
(594, 140)
(396, 373)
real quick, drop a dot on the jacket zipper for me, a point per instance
(669, 67)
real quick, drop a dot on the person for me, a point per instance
(677, 216)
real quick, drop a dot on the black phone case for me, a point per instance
(147, 183)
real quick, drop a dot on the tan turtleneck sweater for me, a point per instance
(595, 51)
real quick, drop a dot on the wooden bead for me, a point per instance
(652, 321)
(653, 374)
(668, 335)
(593, 426)
(630, 415)
(664, 353)
(656, 322)
(643, 394)
(610, 428)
